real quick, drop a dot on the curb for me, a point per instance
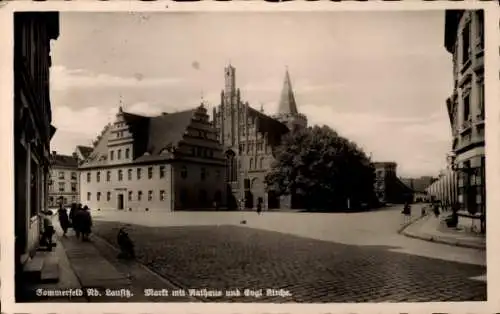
(436, 239)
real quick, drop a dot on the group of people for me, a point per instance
(79, 219)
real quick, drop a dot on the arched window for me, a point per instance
(231, 167)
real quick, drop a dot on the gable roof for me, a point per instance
(63, 161)
(150, 136)
(84, 150)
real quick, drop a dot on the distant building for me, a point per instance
(64, 180)
(32, 126)
(83, 152)
(419, 187)
(387, 186)
(445, 188)
(249, 138)
(464, 40)
(168, 162)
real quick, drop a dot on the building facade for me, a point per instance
(387, 186)
(445, 189)
(64, 185)
(464, 40)
(249, 138)
(169, 162)
(32, 125)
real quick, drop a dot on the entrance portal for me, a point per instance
(120, 201)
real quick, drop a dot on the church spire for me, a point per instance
(287, 103)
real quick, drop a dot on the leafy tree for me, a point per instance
(323, 168)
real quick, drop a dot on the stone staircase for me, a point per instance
(42, 268)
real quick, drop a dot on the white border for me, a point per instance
(492, 90)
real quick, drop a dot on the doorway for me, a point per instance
(120, 201)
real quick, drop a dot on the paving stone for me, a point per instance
(313, 271)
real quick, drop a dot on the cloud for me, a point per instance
(62, 78)
(417, 144)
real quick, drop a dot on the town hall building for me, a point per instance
(249, 138)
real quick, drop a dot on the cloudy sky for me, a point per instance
(378, 78)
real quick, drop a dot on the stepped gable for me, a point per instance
(151, 135)
(166, 130)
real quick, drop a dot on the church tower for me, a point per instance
(287, 109)
(230, 112)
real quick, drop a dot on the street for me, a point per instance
(354, 257)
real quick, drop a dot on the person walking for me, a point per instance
(85, 223)
(259, 206)
(63, 219)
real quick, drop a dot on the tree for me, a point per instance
(326, 170)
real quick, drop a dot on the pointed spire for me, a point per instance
(287, 101)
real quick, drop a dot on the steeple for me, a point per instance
(287, 103)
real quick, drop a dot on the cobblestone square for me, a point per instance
(232, 257)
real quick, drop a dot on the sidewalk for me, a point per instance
(97, 266)
(431, 229)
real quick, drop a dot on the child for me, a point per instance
(48, 229)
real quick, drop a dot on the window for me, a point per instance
(129, 174)
(98, 176)
(111, 155)
(108, 196)
(481, 99)
(127, 153)
(251, 163)
(88, 196)
(203, 174)
(139, 195)
(61, 186)
(150, 172)
(138, 173)
(162, 195)
(150, 195)
(73, 187)
(465, 44)
(480, 28)
(119, 154)
(108, 176)
(61, 175)
(73, 176)
(88, 177)
(129, 195)
(162, 171)
(184, 172)
(120, 175)
(98, 196)
(261, 163)
(467, 108)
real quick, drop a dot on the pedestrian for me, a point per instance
(48, 229)
(436, 209)
(63, 219)
(259, 206)
(84, 223)
(407, 211)
(125, 243)
(72, 213)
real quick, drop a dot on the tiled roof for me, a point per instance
(63, 161)
(151, 136)
(84, 150)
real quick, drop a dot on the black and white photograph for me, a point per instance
(250, 157)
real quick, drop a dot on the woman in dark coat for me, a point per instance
(63, 219)
(84, 222)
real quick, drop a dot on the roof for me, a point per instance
(84, 150)
(287, 103)
(63, 161)
(151, 135)
(266, 124)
